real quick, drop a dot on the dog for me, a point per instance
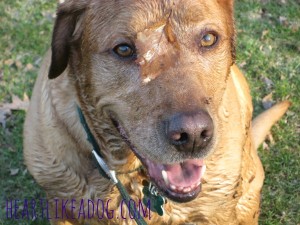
(157, 84)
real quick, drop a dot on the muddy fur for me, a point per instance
(82, 70)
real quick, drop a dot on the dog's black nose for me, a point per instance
(190, 131)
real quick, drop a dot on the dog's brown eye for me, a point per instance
(208, 40)
(124, 50)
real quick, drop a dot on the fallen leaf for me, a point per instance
(267, 101)
(25, 98)
(265, 146)
(264, 33)
(29, 67)
(9, 62)
(242, 64)
(18, 64)
(17, 104)
(270, 138)
(14, 172)
(295, 27)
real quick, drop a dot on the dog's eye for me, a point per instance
(208, 40)
(124, 50)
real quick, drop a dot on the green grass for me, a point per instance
(25, 32)
(275, 56)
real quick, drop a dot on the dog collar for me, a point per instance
(150, 192)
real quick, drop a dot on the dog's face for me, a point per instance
(157, 70)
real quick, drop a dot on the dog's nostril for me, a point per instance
(179, 138)
(205, 135)
(184, 137)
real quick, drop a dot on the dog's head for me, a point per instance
(157, 70)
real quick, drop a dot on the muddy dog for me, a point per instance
(157, 85)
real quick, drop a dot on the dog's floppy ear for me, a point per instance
(68, 14)
(227, 3)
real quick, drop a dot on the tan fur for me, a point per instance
(86, 74)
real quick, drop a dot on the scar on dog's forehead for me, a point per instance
(157, 46)
(157, 49)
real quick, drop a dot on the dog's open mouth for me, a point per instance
(179, 182)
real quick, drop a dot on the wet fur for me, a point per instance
(83, 72)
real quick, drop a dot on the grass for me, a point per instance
(268, 51)
(269, 47)
(25, 31)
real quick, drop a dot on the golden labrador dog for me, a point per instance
(170, 112)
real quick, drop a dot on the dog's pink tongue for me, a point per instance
(185, 174)
(180, 177)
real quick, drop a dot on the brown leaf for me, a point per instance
(242, 64)
(14, 172)
(295, 27)
(265, 146)
(18, 64)
(9, 62)
(264, 33)
(17, 104)
(29, 67)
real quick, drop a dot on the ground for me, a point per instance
(268, 52)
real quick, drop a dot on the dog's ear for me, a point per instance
(227, 4)
(68, 15)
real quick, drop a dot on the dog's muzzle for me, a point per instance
(190, 132)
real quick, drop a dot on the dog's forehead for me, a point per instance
(137, 15)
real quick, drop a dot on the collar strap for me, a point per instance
(105, 171)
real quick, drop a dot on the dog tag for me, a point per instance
(156, 200)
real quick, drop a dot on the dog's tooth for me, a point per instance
(193, 186)
(199, 182)
(165, 177)
(173, 187)
(179, 188)
(186, 189)
(203, 170)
